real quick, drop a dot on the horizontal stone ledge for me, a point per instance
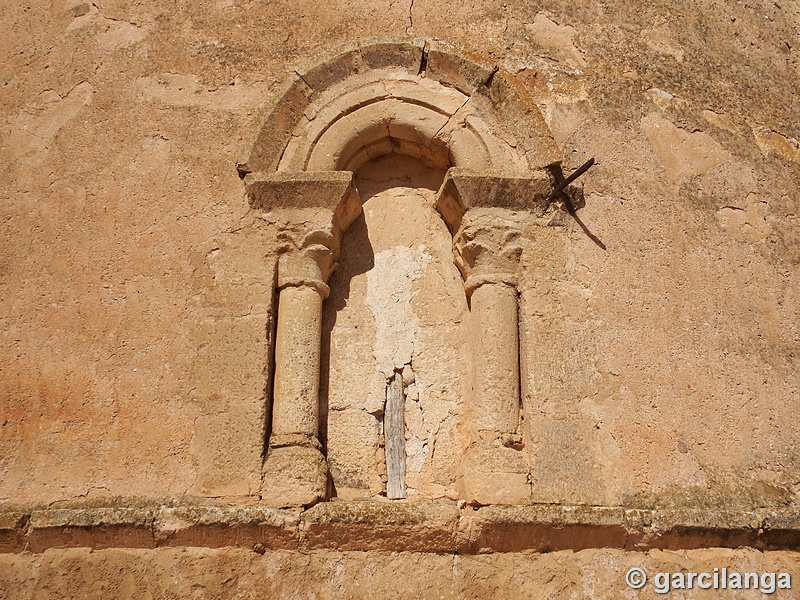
(429, 526)
(377, 525)
(194, 522)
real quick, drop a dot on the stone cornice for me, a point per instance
(463, 190)
(392, 526)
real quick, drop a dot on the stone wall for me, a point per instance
(235, 573)
(658, 325)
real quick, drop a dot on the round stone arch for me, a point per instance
(379, 95)
(452, 112)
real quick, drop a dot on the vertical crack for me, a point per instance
(410, 18)
(423, 63)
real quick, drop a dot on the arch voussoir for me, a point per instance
(333, 106)
(453, 113)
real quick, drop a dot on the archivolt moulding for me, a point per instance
(404, 95)
(452, 112)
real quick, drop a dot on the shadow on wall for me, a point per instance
(357, 258)
(376, 321)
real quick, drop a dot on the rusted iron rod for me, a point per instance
(580, 171)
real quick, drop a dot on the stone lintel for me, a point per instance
(464, 189)
(424, 526)
(332, 191)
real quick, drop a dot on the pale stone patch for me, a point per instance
(720, 121)
(35, 127)
(772, 142)
(660, 40)
(682, 153)
(661, 98)
(229, 402)
(550, 34)
(746, 224)
(120, 34)
(389, 301)
(114, 33)
(659, 93)
(564, 120)
(185, 90)
(416, 455)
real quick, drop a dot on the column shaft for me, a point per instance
(297, 362)
(496, 407)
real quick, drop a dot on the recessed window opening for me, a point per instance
(392, 377)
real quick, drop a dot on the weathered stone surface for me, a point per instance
(294, 476)
(386, 51)
(464, 189)
(93, 527)
(658, 325)
(218, 526)
(373, 525)
(12, 530)
(270, 191)
(779, 529)
(217, 573)
(349, 120)
(280, 117)
(495, 474)
(231, 404)
(692, 528)
(297, 361)
(466, 73)
(363, 525)
(546, 528)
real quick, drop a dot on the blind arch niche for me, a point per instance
(452, 114)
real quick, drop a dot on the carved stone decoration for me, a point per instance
(426, 101)
(312, 211)
(383, 94)
(488, 213)
(488, 254)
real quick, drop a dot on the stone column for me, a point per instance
(495, 468)
(295, 471)
(310, 211)
(495, 411)
(487, 214)
(302, 289)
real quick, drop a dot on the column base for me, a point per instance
(495, 474)
(294, 476)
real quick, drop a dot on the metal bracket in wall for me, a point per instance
(577, 173)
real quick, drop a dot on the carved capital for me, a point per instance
(486, 213)
(310, 266)
(488, 248)
(311, 211)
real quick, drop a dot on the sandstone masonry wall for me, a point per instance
(658, 326)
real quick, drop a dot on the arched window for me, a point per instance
(393, 161)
